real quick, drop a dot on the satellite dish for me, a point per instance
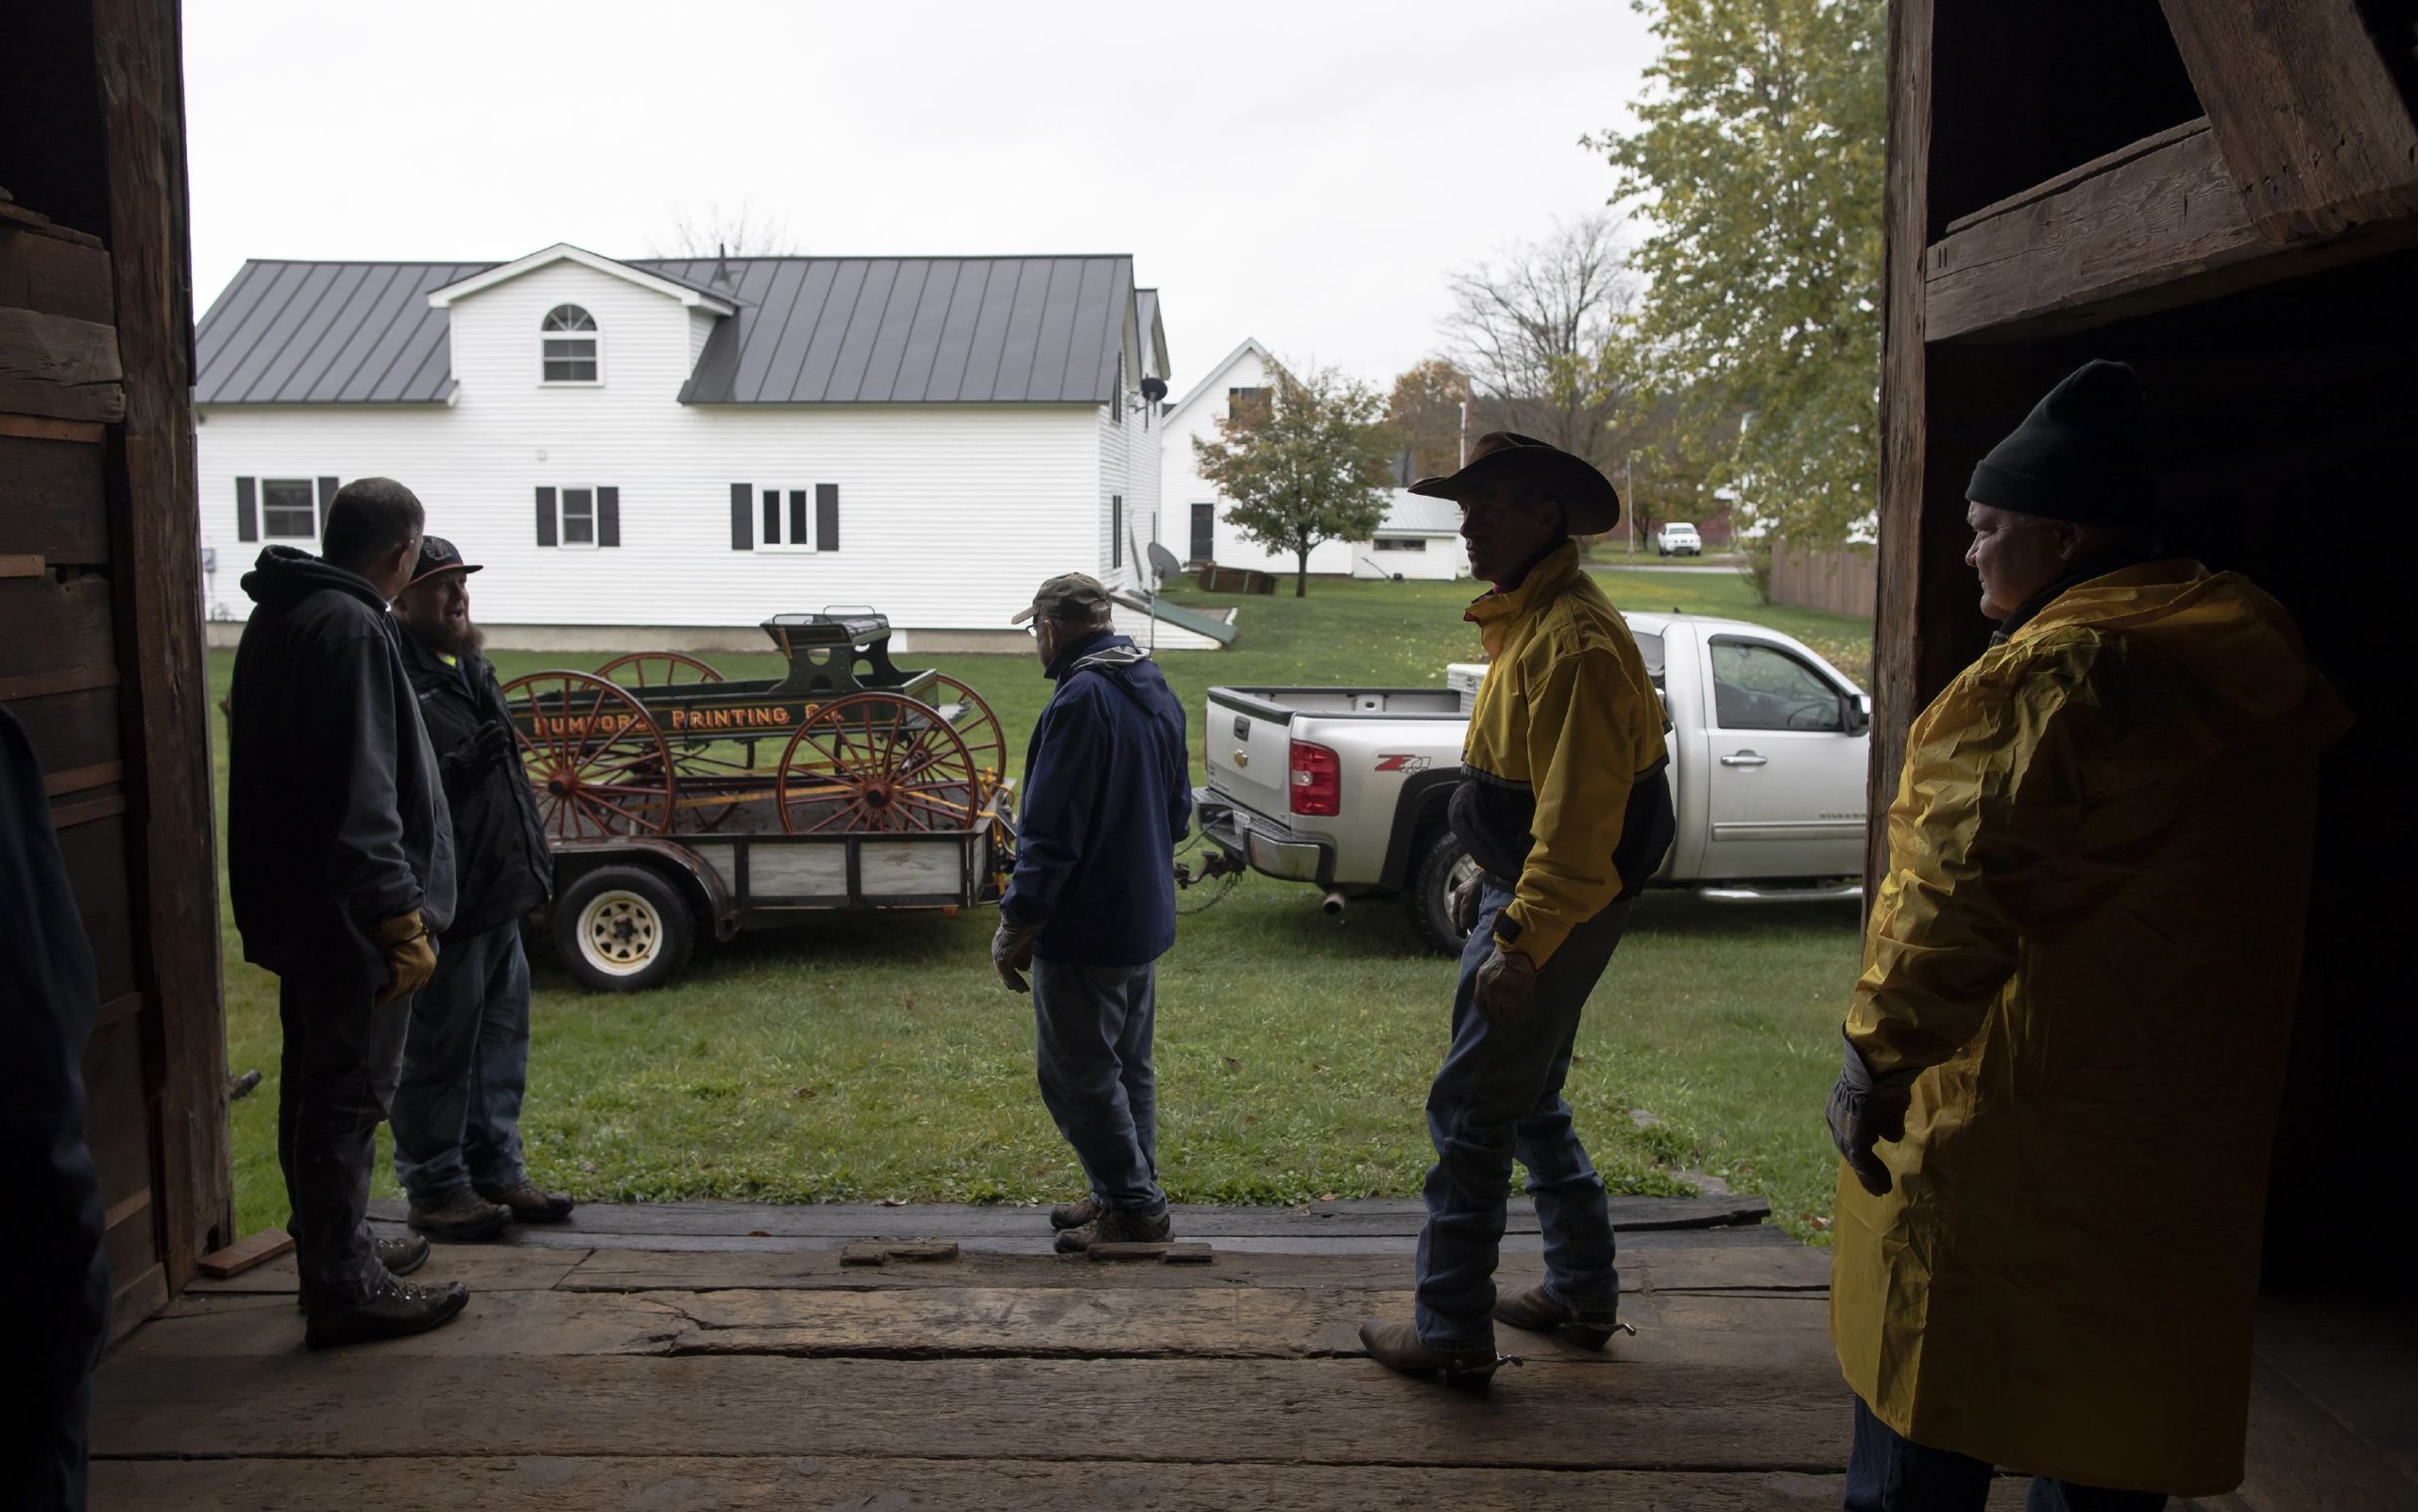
(1163, 562)
(1155, 390)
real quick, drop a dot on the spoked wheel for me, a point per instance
(692, 759)
(656, 669)
(876, 762)
(598, 763)
(978, 727)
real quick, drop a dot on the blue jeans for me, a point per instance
(1499, 1097)
(1890, 1472)
(1092, 1045)
(465, 1064)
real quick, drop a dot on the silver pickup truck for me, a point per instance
(1346, 788)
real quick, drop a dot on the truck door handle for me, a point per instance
(1744, 759)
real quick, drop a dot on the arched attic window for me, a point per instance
(568, 338)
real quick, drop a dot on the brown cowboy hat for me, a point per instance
(1588, 503)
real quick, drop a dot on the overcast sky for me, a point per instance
(1304, 172)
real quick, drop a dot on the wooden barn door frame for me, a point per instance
(153, 510)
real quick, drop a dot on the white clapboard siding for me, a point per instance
(949, 514)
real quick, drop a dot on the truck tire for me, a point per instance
(623, 930)
(1428, 900)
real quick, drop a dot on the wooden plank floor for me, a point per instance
(747, 1368)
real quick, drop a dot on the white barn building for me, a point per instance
(1420, 539)
(657, 454)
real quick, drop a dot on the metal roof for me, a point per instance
(1418, 514)
(328, 333)
(911, 330)
(808, 331)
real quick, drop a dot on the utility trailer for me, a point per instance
(681, 804)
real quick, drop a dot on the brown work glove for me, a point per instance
(411, 955)
(1465, 900)
(1507, 985)
(1012, 953)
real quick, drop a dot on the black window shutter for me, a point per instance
(328, 487)
(1116, 530)
(545, 516)
(247, 509)
(609, 516)
(742, 523)
(826, 517)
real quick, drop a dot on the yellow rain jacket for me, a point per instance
(2089, 945)
(1561, 770)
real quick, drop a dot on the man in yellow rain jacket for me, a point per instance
(1564, 807)
(2067, 1048)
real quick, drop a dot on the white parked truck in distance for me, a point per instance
(1678, 538)
(1346, 788)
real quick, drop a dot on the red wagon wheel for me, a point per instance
(985, 741)
(876, 762)
(596, 760)
(656, 669)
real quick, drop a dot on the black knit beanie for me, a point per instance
(2077, 456)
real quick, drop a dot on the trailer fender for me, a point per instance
(574, 857)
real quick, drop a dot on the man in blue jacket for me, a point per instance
(1091, 905)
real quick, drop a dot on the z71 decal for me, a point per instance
(1404, 763)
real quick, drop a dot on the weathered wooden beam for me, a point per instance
(1905, 208)
(2156, 229)
(40, 269)
(2311, 125)
(59, 366)
(138, 57)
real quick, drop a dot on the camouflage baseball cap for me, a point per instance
(1073, 597)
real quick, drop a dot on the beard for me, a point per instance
(467, 641)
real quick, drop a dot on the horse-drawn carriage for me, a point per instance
(678, 801)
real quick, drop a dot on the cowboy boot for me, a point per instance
(1398, 1347)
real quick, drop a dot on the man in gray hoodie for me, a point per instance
(340, 859)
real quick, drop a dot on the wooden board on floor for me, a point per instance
(1748, 1268)
(860, 1220)
(495, 1267)
(683, 1484)
(1770, 1332)
(1283, 1412)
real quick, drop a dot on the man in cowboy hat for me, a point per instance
(1091, 907)
(2065, 1055)
(1564, 806)
(457, 1112)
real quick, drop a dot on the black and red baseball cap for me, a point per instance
(437, 554)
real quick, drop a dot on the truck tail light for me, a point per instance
(1317, 779)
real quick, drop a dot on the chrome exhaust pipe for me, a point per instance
(1332, 905)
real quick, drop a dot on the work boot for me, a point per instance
(1540, 1311)
(400, 1256)
(399, 1308)
(1398, 1347)
(1075, 1215)
(1117, 1226)
(459, 1215)
(529, 1202)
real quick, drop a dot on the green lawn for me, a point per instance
(877, 1057)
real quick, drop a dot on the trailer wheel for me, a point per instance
(623, 930)
(1430, 898)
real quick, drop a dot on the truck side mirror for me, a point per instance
(1857, 713)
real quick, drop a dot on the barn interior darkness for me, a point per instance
(2284, 425)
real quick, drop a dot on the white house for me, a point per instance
(1420, 539)
(661, 453)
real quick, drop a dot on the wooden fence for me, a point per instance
(1841, 580)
